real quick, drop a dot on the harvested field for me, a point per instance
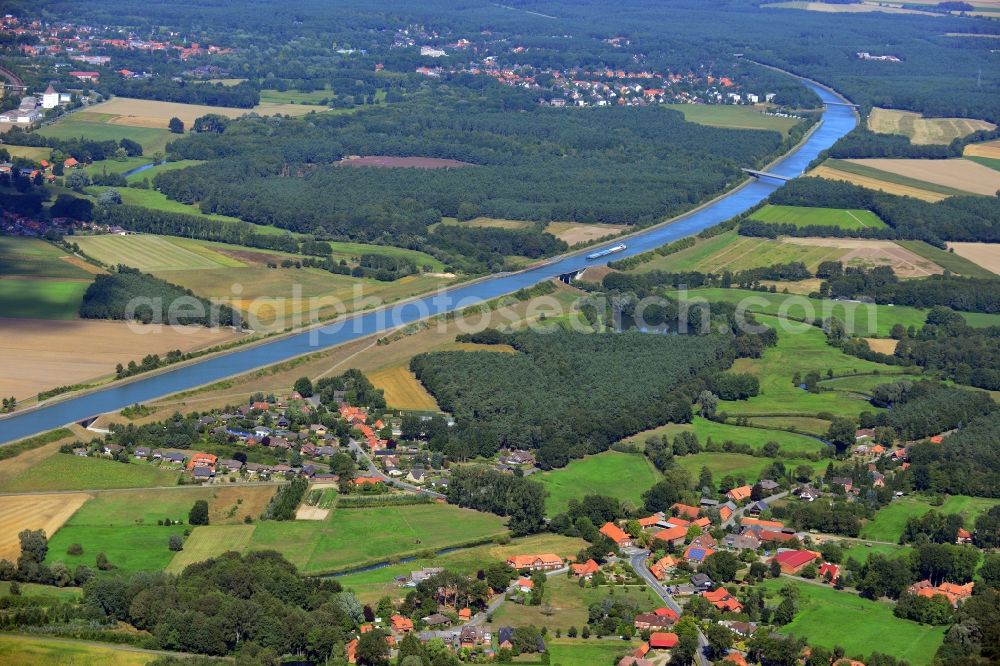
(882, 345)
(875, 184)
(804, 287)
(862, 252)
(40, 354)
(151, 113)
(989, 149)
(960, 174)
(922, 130)
(494, 222)
(574, 233)
(402, 390)
(34, 512)
(390, 162)
(986, 255)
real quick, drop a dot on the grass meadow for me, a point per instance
(802, 216)
(723, 432)
(890, 521)
(371, 585)
(571, 603)
(68, 472)
(829, 617)
(583, 652)
(95, 126)
(738, 117)
(622, 475)
(355, 537)
(41, 299)
(33, 257)
(21, 650)
(738, 465)
(132, 548)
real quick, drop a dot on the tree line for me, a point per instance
(127, 293)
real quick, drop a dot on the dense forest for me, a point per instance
(958, 218)
(128, 293)
(966, 463)
(568, 394)
(613, 165)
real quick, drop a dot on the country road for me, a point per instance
(373, 470)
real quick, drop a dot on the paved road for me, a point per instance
(373, 470)
(638, 561)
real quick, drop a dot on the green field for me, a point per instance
(990, 162)
(828, 617)
(865, 319)
(69, 126)
(890, 521)
(36, 590)
(294, 96)
(863, 383)
(571, 603)
(33, 257)
(732, 252)
(136, 548)
(889, 177)
(800, 352)
(371, 585)
(583, 652)
(354, 537)
(722, 432)
(625, 476)
(210, 541)
(138, 507)
(115, 166)
(21, 650)
(151, 253)
(156, 200)
(728, 115)
(33, 153)
(860, 551)
(947, 260)
(808, 424)
(738, 465)
(802, 216)
(161, 168)
(345, 250)
(69, 472)
(41, 299)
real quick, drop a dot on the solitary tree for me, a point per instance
(175, 543)
(176, 125)
(199, 513)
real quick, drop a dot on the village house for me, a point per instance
(525, 585)
(473, 637)
(829, 572)
(964, 536)
(585, 570)
(685, 510)
(955, 594)
(661, 618)
(661, 640)
(660, 568)
(723, 600)
(616, 534)
(672, 535)
(745, 540)
(740, 494)
(792, 562)
(543, 562)
(401, 624)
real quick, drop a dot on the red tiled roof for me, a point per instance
(615, 533)
(671, 533)
(662, 640)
